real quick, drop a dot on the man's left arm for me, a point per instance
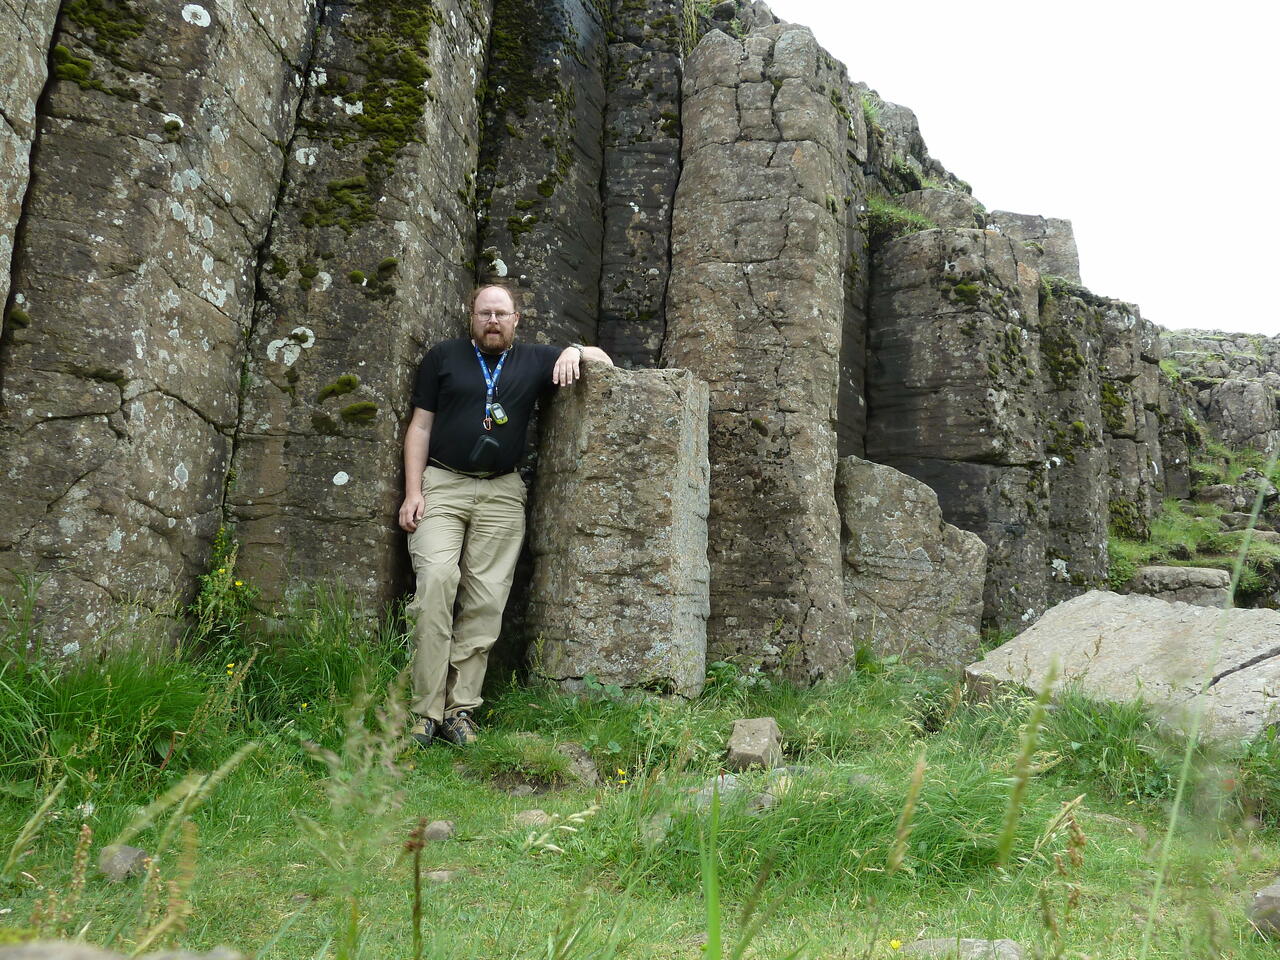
(568, 367)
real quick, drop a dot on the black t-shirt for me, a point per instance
(450, 384)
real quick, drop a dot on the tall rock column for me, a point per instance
(1070, 345)
(641, 167)
(152, 188)
(755, 308)
(540, 162)
(954, 396)
(1130, 392)
(24, 37)
(619, 533)
(366, 267)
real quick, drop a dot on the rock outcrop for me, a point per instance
(912, 583)
(151, 192)
(619, 533)
(1234, 381)
(25, 32)
(641, 167)
(363, 271)
(954, 396)
(755, 310)
(1202, 586)
(540, 162)
(1174, 656)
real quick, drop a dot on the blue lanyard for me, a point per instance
(490, 379)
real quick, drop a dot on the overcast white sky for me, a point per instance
(1152, 127)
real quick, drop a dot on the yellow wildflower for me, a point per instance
(239, 583)
(895, 944)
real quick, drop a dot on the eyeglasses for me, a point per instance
(498, 315)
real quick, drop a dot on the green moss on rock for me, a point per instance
(362, 411)
(342, 385)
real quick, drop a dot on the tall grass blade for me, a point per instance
(30, 830)
(1022, 768)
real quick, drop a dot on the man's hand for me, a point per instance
(567, 369)
(411, 511)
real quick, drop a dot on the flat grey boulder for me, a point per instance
(1203, 586)
(754, 743)
(912, 582)
(965, 949)
(1175, 656)
(58, 950)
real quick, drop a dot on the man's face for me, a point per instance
(493, 320)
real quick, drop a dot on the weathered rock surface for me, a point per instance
(150, 194)
(754, 743)
(363, 271)
(1234, 380)
(912, 583)
(1130, 392)
(1174, 656)
(619, 532)
(24, 37)
(532, 818)
(1202, 586)
(439, 830)
(119, 861)
(641, 167)
(1076, 539)
(754, 308)
(1050, 241)
(540, 163)
(954, 396)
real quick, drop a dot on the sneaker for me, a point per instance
(424, 731)
(460, 729)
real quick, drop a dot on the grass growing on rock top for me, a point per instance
(299, 850)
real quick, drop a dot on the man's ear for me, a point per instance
(515, 320)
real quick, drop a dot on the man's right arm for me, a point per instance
(417, 440)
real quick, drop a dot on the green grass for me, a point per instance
(298, 849)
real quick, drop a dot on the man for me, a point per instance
(464, 504)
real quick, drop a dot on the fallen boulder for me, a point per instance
(1202, 586)
(1175, 656)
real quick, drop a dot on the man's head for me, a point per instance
(494, 316)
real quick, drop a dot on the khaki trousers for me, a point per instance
(464, 550)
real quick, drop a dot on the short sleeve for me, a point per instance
(547, 355)
(426, 386)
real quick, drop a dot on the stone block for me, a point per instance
(619, 533)
(1051, 241)
(119, 861)
(946, 208)
(754, 743)
(964, 948)
(1202, 586)
(1264, 911)
(755, 308)
(438, 830)
(1174, 656)
(913, 583)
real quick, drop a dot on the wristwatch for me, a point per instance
(580, 348)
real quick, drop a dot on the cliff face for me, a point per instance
(229, 232)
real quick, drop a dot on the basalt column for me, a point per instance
(1070, 345)
(1130, 416)
(755, 309)
(25, 30)
(954, 396)
(151, 190)
(619, 533)
(366, 268)
(641, 166)
(540, 162)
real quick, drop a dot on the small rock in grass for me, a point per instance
(726, 784)
(522, 790)
(754, 743)
(965, 949)
(581, 767)
(532, 818)
(656, 828)
(119, 861)
(441, 876)
(1265, 910)
(439, 830)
